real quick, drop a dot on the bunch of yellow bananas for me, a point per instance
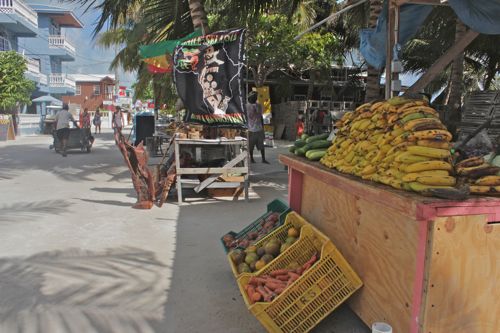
(399, 142)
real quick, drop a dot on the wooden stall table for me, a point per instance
(428, 265)
(236, 164)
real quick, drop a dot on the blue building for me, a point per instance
(40, 34)
(52, 47)
(19, 20)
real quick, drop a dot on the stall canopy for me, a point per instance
(47, 99)
(479, 15)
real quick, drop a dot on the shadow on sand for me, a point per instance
(118, 290)
(28, 210)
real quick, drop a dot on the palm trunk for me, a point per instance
(454, 99)
(198, 15)
(373, 79)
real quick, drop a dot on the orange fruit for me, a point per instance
(293, 232)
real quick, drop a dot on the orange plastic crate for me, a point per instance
(319, 291)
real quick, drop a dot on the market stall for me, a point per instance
(427, 264)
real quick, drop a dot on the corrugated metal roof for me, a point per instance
(90, 77)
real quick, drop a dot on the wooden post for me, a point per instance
(397, 24)
(389, 49)
(442, 62)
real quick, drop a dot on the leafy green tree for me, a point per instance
(271, 46)
(15, 89)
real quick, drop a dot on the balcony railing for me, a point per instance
(44, 80)
(61, 42)
(33, 65)
(20, 8)
(61, 81)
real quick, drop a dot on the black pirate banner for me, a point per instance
(207, 72)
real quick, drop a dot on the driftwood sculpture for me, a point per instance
(149, 188)
(136, 159)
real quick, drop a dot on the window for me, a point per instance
(4, 44)
(97, 90)
(78, 90)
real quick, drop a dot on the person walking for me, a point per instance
(85, 119)
(117, 123)
(97, 121)
(255, 128)
(63, 118)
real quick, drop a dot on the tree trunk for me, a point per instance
(454, 99)
(313, 76)
(373, 79)
(198, 15)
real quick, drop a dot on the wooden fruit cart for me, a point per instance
(428, 265)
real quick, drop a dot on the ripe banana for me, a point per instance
(437, 180)
(429, 152)
(412, 104)
(395, 101)
(423, 124)
(488, 181)
(395, 173)
(443, 135)
(450, 193)
(420, 109)
(345, 144)
(428, 165)
(368, 170)
(478, 171)
(363, 107)
(477, 189)
(400, 147)
(385, 148)
(434, 144)
(418, 187)
(393, 118)
(405, 137)
(412, 116)
(412, 177)
(376, 106)
(408, 157)
(470, 162)
(349, 157)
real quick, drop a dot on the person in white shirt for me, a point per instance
(256, 133)
(117, 123)
(63, 118)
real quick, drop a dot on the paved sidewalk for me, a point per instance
(75, 257)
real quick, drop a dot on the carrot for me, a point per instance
(293, 275)
(274, 286)
(250, 292)
(279, 272)
(267, 295)
(279, 291)
(282, 277)
(255, 281)
(256, 297)
(312, 260)
(276, 280)
(269, 291)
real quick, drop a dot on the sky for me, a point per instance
(90, 58)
